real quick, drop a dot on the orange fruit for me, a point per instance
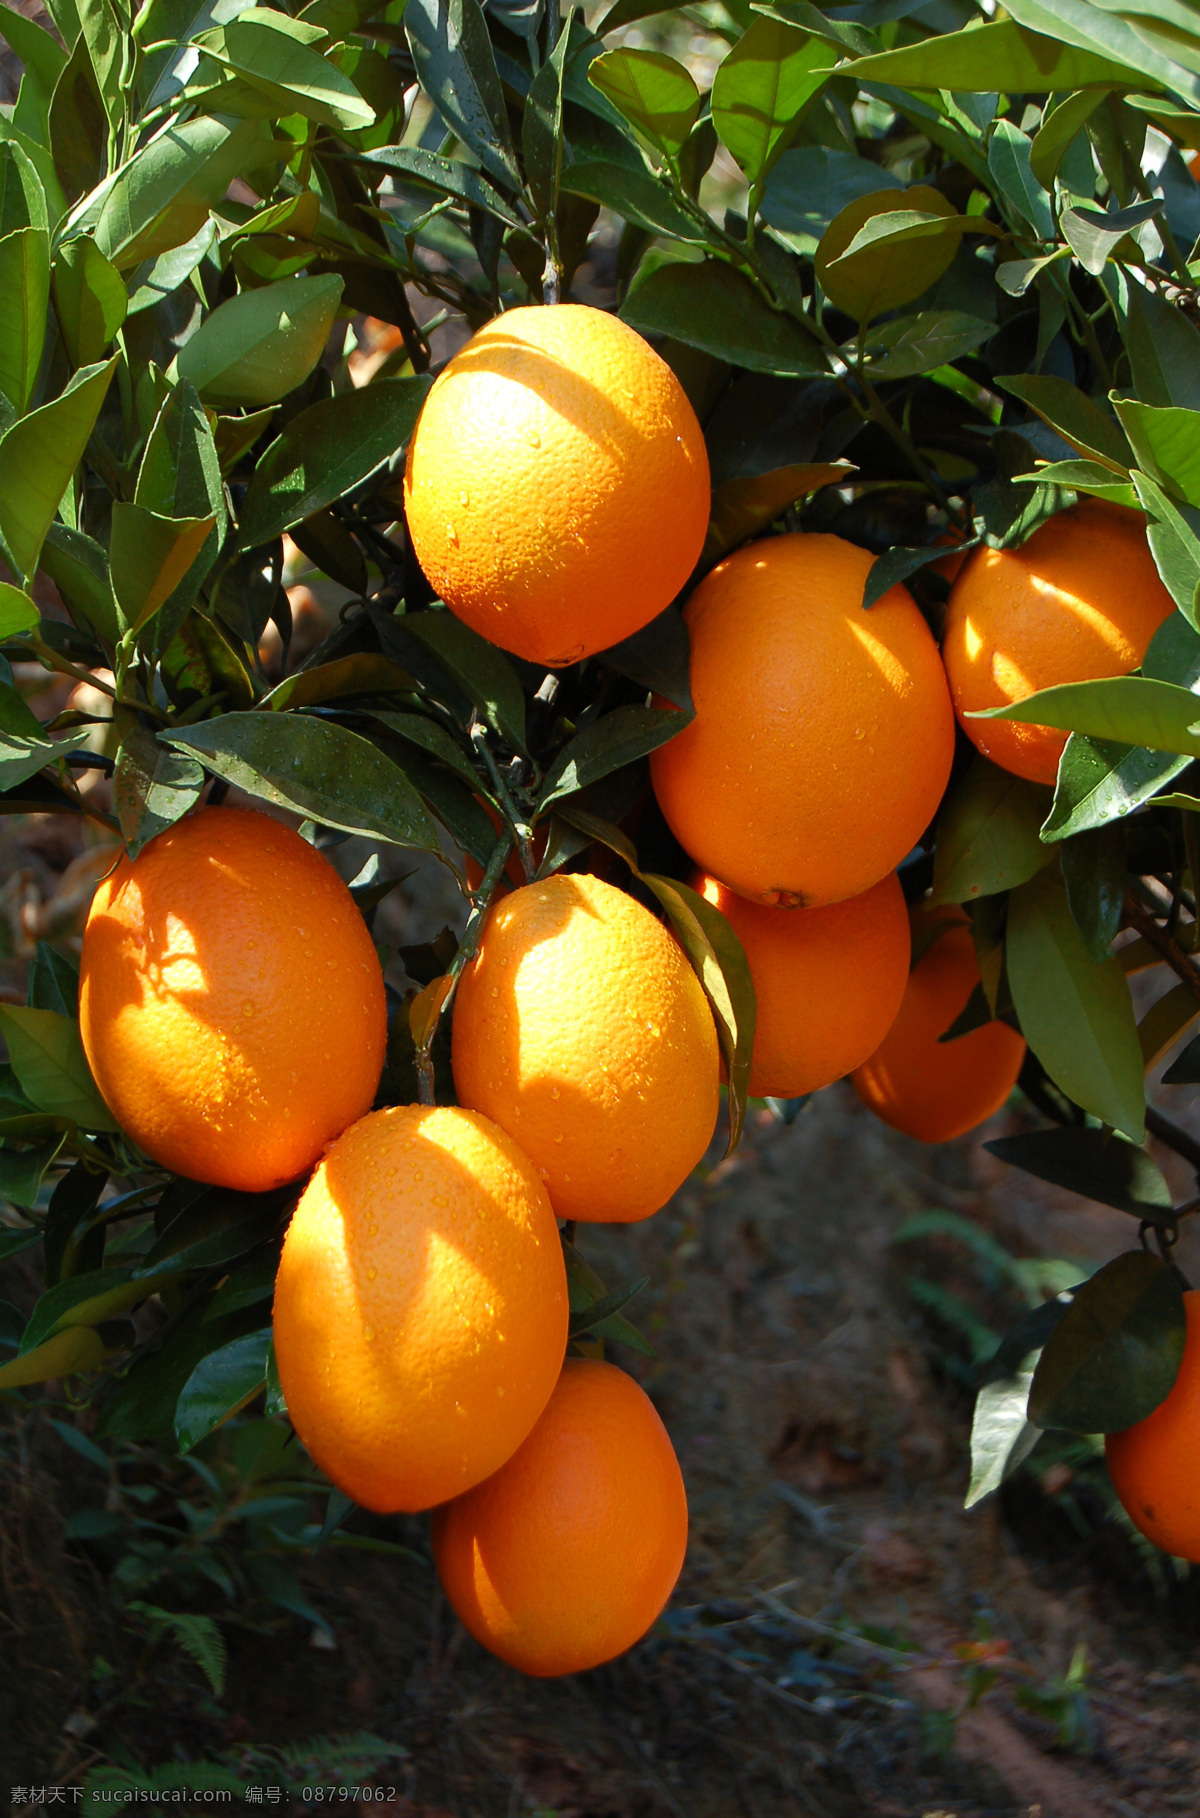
(1193, 165)
(949, 566)
(937, 1090)
(557, 489)
(828, 981)
(1155, 1465)
(1081, 599)
(581, 1029)
(420, 1306)
(823, 734)
(231, 1002)
(568, 1554)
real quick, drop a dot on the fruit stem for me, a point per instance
(522, 831)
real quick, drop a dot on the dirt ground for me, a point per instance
(844, 1640)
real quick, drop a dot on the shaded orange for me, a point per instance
(938, 1090)
(1155, 1465)
(420, 1306)
(557, 489)
(1081, 599)
(949, 566)
(829, 981)
(823, 734)
(231, 1001)
(568, 1554)
(581, 1029)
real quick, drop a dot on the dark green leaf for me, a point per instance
(180, 474)
(434, 739)
(457, 69)
(636, 195)
(484, 673)
(657, 657)
(1059, 126)
(325, 451)
(1096, 1164)
(987, 835)
(1009, 160)
(269, 51)
(1094, 872)
(53, 982)
(1115, 1354)
(220, 1385)
(585, 1289)
(542, 130)
(261, 344)
(812, 184)
(69, 1250)
(915, 344)
(82, 1300)
(1100, 780)
(21, 1172)
(620, 737)
(447, 175)
(762, 88)
(1076, 1015)
(713, 307)
(1173, 533)
(334, 776)
(744, 507)
(1076, 418)
(1163, 348)
(152, 788)
(895, 566)
(78, 566)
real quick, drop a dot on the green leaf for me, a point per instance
(24, 295)
(1059, 127)
(1115, 1354)
(456, 66)
(53, 982)
(150, 556)
(90, 299)
(82, 1300)
(1084, 476)
(430, 737)
(914, 344)
(154, 280)
(1010, 162)
(1002, 56)
(1136, 710)
(35, 47)
(261, 344)
(25, 747)
(484, 673)
(1002, 1435)
(1076, 418)
(152, 787)
(1163, 348)
(585, 1290)
(217, 1227)
(47, 1056)
(21, 1172)
(762, 88)
(1092, 28)
(221, 1384)
(325, 451)
(38, 456)
(809, 186)
(1096, 1164)
(657, 95)
(362, 673)
(1173, 533)
(886, 249)
(1100, 780)
(1095, 875)
(78, 566)
(714, 308)
(542, 130)
(78, 1348)
(1095, 236)
(1076, 1015)
(619, 737)
(634, 194)
(318, 769)
(447, 176)
(742, 508)
(270, 52)
(161, 198)
(1165, 443)
(17, 611)
(987, 835)
(180, 474)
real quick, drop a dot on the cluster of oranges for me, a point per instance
(233, 1009)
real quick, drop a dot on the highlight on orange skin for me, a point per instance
(1155, 1465)
(566, 1556)
(931, 1089)
(231, 1002)
(1080, 600)
(829, 981)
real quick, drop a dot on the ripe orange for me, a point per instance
(581, 1029)
(1155, 1465)
(1081, 599)
(420, 1306)
(823, 734)
(828, 981)
(568, 1554)
(937, 1090)
(557, 489)
(231, 1002)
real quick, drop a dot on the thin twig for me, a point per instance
(1163, 943)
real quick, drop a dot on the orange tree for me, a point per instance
(922, 279)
